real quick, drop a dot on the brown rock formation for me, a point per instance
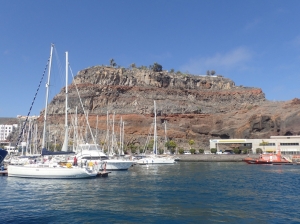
(195, 107)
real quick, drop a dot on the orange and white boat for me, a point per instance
(271, 158)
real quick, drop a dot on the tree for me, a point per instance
(191, 142)
(112, 63)
(156, 67)
(192, 151)
(236, 151)
(263, 143)
(201, 151)
(133, 65)
(258, 151)
(171, 145)
(141, 150)
(207, 73)
(150, 144)
(143, 67)
(212, 72)
(172, 70)
(181, 151)
(132, 148)
(213, 150)
(245, 151)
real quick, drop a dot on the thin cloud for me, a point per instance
(162, 56)
(253, 24)
(234, 59)
(296, 41)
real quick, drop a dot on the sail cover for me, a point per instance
(45, 152)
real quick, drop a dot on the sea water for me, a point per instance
(185, 192)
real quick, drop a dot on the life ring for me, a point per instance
(91, 163)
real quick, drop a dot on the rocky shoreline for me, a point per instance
(213, 158)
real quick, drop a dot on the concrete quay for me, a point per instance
(214, 157)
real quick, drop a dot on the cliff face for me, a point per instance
(194, 107)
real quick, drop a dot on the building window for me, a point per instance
(267, 144)
(286, 144)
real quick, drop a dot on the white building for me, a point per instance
(5, 130)
(286, 144)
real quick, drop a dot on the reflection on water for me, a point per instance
(184, 192)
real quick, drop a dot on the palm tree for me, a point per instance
(112, 63)
(191, 142)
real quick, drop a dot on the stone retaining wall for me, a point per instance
(213, 158)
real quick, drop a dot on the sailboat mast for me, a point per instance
(166, 140)
(107, 132)
(96, 137)
(113, 134)
(66, 141)
(155, 131)
(47, 96)
(66, 109)
(120, 147)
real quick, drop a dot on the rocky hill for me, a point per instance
(193, 107)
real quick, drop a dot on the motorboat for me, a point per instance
(92, 153)
(155, 160)
(270, 158)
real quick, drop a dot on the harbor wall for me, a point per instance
(213, 158)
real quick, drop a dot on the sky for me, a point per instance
(254, 43)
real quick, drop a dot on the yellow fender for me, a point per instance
(69, 165)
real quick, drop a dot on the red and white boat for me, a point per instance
(272, 158)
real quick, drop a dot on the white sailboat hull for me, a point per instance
(36, 171)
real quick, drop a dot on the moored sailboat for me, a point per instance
(52, 170)
(155, 159)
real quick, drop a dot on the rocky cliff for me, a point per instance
(193, 107)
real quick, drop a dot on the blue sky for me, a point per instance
(255, 43)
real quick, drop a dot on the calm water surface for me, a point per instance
(185, 192)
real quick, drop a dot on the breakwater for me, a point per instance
(214, 157)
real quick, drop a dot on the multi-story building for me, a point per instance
(5, 130)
